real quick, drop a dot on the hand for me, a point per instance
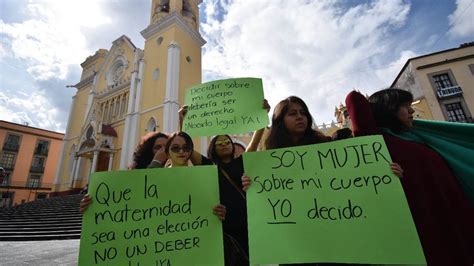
(220, 211)
(161, 156)
(397, 169)
(265, 105)
(182, 112)
(246, 182)
(85, 202)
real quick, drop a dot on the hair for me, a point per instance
(279, 137)
(240, 145)
(343, 133)
(385, 105)
(185, 136)
(211, 150)
(143, 154)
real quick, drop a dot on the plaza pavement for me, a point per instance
(55, 252)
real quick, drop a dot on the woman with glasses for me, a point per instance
(221, 151)
(179, 149)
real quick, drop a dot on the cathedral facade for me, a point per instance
(126, 92)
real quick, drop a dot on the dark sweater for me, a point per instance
(235, 223)
(441, 211)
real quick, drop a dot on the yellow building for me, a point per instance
(125, 92)
(442, 84)
(29, 156)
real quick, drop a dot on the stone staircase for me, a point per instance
(44, 219)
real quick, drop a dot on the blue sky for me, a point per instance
(318, 50)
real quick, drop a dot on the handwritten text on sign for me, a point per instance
(331, 202)
(152, 217)
(225, 107)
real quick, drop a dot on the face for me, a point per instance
(405, 115)
(179, 152)
(295, 120)
(223, 146)
(159, 145)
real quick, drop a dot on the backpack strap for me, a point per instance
(237, 187)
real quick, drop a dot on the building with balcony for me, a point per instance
(442, 84)
(29, 156)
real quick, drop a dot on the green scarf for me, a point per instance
(453, 141)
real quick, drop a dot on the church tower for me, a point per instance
(126, 92)
(171, 62)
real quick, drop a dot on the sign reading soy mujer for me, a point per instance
(228, 106)
(332, 202)
(153, 217)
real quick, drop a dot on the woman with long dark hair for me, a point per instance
(292, 125)
(150, 153)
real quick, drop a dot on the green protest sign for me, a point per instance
(153, 217)
(228, 106)
(334, 202)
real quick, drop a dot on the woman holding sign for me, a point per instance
(292, 126)
(150, 153)
(179, 149)
(441, 212)
(221, 151)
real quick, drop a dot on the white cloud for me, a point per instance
(394, 68)
(34, 109)
(3, 52)
(51, 38)
(318, 50)
(461, 20)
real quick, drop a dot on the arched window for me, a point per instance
(117, 108)
(151, 125)
(89, 133)
(124, 102)
(111, 110)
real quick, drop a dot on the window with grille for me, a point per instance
(38, 161)
(37, 165)
(442, 81)
(5, 181)
(41, 196)
(8, 160)
(455, 112)
(6, 198)
(42, 147)
(14, 139)
(34, 181)
(12, 143)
